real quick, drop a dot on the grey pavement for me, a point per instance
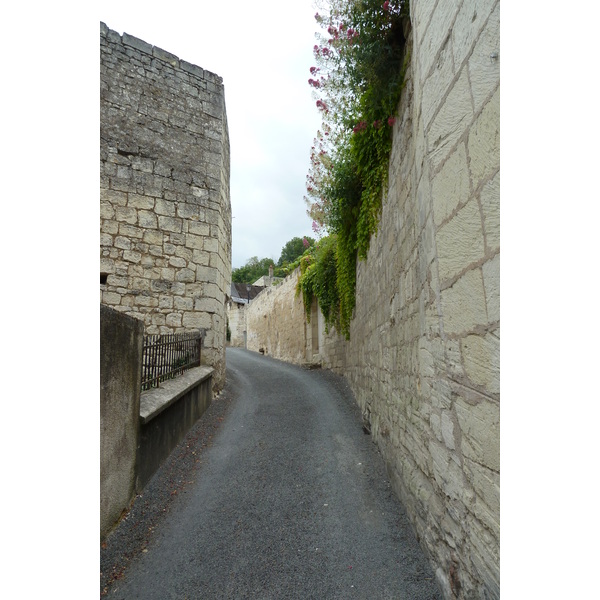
(291, 501)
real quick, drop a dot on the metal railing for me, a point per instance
(166, 356)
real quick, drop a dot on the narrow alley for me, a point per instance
(289, 500)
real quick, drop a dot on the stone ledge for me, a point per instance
(154, 401)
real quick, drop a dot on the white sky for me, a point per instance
(263, 51)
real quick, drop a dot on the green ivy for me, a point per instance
(318, 279)
(365, 62)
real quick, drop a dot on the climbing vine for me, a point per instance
(357, 82)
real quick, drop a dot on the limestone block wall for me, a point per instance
(276, 322)
(165, 247)
(236, 315)
(423, 357)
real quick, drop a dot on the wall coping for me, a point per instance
(154, 401)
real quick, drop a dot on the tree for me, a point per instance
(294, 249)
(253, 269)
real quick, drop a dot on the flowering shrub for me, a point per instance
(357, 82)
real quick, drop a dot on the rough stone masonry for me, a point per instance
(165, 245)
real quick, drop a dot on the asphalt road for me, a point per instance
(290, 500)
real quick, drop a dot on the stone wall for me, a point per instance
(236, 316)
(121, 339)
(276, 323)
(165, 247)
(423, 358)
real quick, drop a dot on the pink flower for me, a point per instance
(361, 126)
(386, 5)
(391, 121)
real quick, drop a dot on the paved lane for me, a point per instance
(291, 501)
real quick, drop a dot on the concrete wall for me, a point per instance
(423, 358)
(165, 248)
(167, 413)
(121, 339)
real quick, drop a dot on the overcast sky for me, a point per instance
(263, 51)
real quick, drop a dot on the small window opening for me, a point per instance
(103, 278)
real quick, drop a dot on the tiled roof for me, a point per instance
(240, 294)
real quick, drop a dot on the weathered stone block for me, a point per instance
(447, 428)
(122, 242)
(432, 34)
(147, 219)
(153, 236)
(463, 304)
(480, 429)
(173, 320)
(106, 240)
(165, 301)
(467, 28)
(490, 206)
(164, 208)
(460, 241)
(451, 122)
(131, 256)
(139, 201)
(111, 298)
(194, 241)
(491, 283)
(199, 228)
(484, 62)
(211, 245)
(481, 358)
(451, 186)
(196, 320)
(170, 224)
(110, 227)
(437, 83)
(185, 275)
(167, 274)
(209, 305)
(130, 231)
(183, 304)
(484, 142)
(176, 261)
(206, 274)
(447, 473)
(126, 215)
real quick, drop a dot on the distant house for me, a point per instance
(268, 280)
(241, 294)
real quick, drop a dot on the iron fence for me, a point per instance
(168, 355)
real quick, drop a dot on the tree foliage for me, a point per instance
(357, 82)
(256, 268)
(294, 250)
(253, 270)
